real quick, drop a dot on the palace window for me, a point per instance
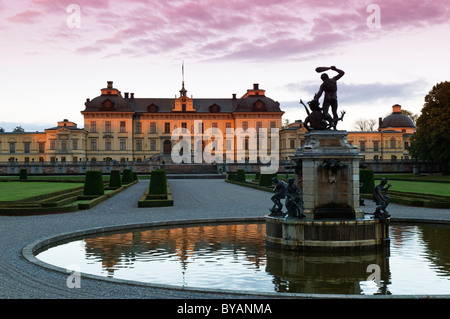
(152, 145)
(362, 146)
(152, 108)
(123, 144)
(75, 144)
(375, 146)
(214, 108)
(245, 125)
(12, 147)
(138, 145)
(64, 145)
(26, 147)
(138, 127)
(259, 106)
(167, 128)
(123, 127)
(93, 127)
(107, 144)
(93, 144)
(153, 128)
(107, 126)
(53, 145)
(41, 147)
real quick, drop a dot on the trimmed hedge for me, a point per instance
(231, 176)
(23, 174)
(368, 181)
(127, 176)
(158, 183)
(114, 179)
(93, 183)
(265, 179)
(240, 175)
(258, 175)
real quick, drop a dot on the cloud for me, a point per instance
(27, 17)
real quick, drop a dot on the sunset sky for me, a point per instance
(53, 58)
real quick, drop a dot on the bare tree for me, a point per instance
(365, 124)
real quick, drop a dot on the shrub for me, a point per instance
(93, 183)
(135, 177)
(158, 183)
(114, 179)
(258, 175)
(127, 176)
(232, 176)
(366, 178)
(265, 180)
(240, 175)
(23, 175)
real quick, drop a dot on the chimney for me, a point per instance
(132, 95)
(397, 108)
(234, 96)
(256, 86)
(88, 100)
(126, 95)
(380, 120)
(110, 84)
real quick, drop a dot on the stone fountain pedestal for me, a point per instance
(327, 173)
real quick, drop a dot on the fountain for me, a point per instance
(327, 175)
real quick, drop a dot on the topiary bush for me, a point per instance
(240, 175)
(93, 183)
(158, 183)
(231, 176)
(127, 176)
(258, 175)
(114, 179)
(367, 179)
(265, 180)
(23, 174)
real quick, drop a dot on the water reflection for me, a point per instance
(235, 257)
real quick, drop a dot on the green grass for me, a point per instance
(442, 189)
(10, 191)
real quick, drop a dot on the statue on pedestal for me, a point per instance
(381, 199)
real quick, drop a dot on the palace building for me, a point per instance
(126, 127)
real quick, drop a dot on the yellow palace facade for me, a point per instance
(123, 128)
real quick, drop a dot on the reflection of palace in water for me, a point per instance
(295, 272)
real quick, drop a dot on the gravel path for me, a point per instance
(194, 199)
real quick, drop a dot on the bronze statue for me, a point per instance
(381, 199)
(280, 193)
(319, 118)
(294, 201)
(329, 87)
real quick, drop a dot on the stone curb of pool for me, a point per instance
(29, 253)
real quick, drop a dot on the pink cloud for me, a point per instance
(28, 17)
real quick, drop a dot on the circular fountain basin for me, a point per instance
(234, 257)
(344, 234)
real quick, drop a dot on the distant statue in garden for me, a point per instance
(280, 193)
(294, 200)
(381, 199)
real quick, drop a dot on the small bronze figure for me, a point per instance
(280, 193)
(294, 201)
(381, 199)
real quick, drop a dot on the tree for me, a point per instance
(18, 129)
(411, 115)
(431, 142)
(364, 124)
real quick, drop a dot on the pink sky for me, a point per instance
(49, 69)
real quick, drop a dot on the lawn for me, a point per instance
(442, 189)
(10, 191)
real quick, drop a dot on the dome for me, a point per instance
(396, 119)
